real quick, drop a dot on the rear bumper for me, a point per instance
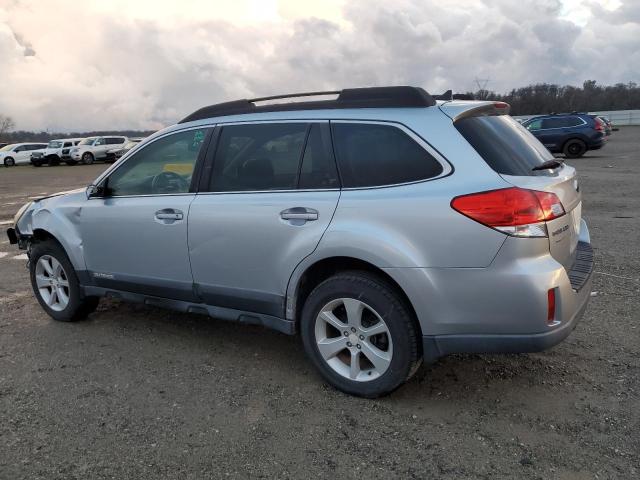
(573, 301)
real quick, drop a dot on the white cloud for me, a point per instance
(106, 65)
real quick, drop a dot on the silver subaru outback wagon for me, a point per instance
(386, 226)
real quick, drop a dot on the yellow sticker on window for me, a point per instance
(179, 168)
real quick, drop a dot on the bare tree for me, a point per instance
(6, 125)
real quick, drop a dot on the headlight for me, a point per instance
(23, 209)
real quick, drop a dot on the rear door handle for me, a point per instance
(299, 213)
(169, 215)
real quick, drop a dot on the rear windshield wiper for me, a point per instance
(553, 163)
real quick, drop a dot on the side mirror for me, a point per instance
(96, 191)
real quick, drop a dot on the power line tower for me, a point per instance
(482, 92)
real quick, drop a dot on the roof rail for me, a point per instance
(370, 97)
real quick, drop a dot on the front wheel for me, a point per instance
(360, 334)
(574, 148)
(87, 158)
(9, 162)
(56, 285)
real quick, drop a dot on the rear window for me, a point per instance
(506, 146)
(371, 155)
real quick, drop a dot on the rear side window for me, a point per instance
(371, 155)
(258, 157)
(506, 146)
(114, 141)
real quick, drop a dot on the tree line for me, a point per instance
(545, 98)
(535, 99)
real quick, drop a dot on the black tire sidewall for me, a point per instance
(9, 162)
(383, 299)
(75, 305)
(87, 158)
(568, 154)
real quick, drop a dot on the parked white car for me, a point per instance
(57, 151)
(95, 148)
(18, 153)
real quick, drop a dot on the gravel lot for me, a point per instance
(136, 392)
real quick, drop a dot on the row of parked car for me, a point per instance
(67, 150)
(572, 134)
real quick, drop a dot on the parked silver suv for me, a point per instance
(385, 226)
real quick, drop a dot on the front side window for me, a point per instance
(100, 141)
(162, 167)
(54, 144)
(258, 157)
(372, 155)
(534, 125)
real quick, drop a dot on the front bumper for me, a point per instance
(15, 237)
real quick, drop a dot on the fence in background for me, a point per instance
(617, 117)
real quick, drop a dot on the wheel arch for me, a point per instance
(46, 225)
(305, 279)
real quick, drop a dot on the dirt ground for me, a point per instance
(137, 392)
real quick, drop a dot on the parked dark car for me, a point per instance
(608, 126)
(115, 153)
(570, 134)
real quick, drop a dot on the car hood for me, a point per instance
(67, 193)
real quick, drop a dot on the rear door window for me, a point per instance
(371, 154)
(555, 122)
(505, 145)
(258, 157)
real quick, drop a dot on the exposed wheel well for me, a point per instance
(40, 235)
(323, 269)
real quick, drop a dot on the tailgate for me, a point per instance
(565, 230)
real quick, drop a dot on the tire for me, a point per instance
(70, 162)
(574, 148)
(9, 162)
(53, 161)
(396, 348)
(77, 306)
(36, 163)
(88, 158)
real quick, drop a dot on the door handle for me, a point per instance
(299, 213)
(169, 215)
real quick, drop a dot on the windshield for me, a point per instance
(54, 144)
(88, 141)
(6, 148)
(506, 146)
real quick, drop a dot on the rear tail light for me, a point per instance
(599, 125)
(514, 211)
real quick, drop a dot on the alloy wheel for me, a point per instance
(52, 282)
(353, 339)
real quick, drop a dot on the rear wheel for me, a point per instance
(87, 158)
(70, 162)
(9, 162)
(36, 163)
(53, 161)
(56, 285)
(360, 335)
(574, 148)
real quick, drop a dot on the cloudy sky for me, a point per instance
(91, 64)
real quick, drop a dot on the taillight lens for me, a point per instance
(514, 211)
(599, 125)
(551, 306)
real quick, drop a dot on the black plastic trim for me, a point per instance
(241, 299)
(371, 97)
(582, 266)
(276, 323)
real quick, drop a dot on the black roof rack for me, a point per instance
(370, 97)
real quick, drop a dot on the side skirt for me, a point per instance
(276, 323)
